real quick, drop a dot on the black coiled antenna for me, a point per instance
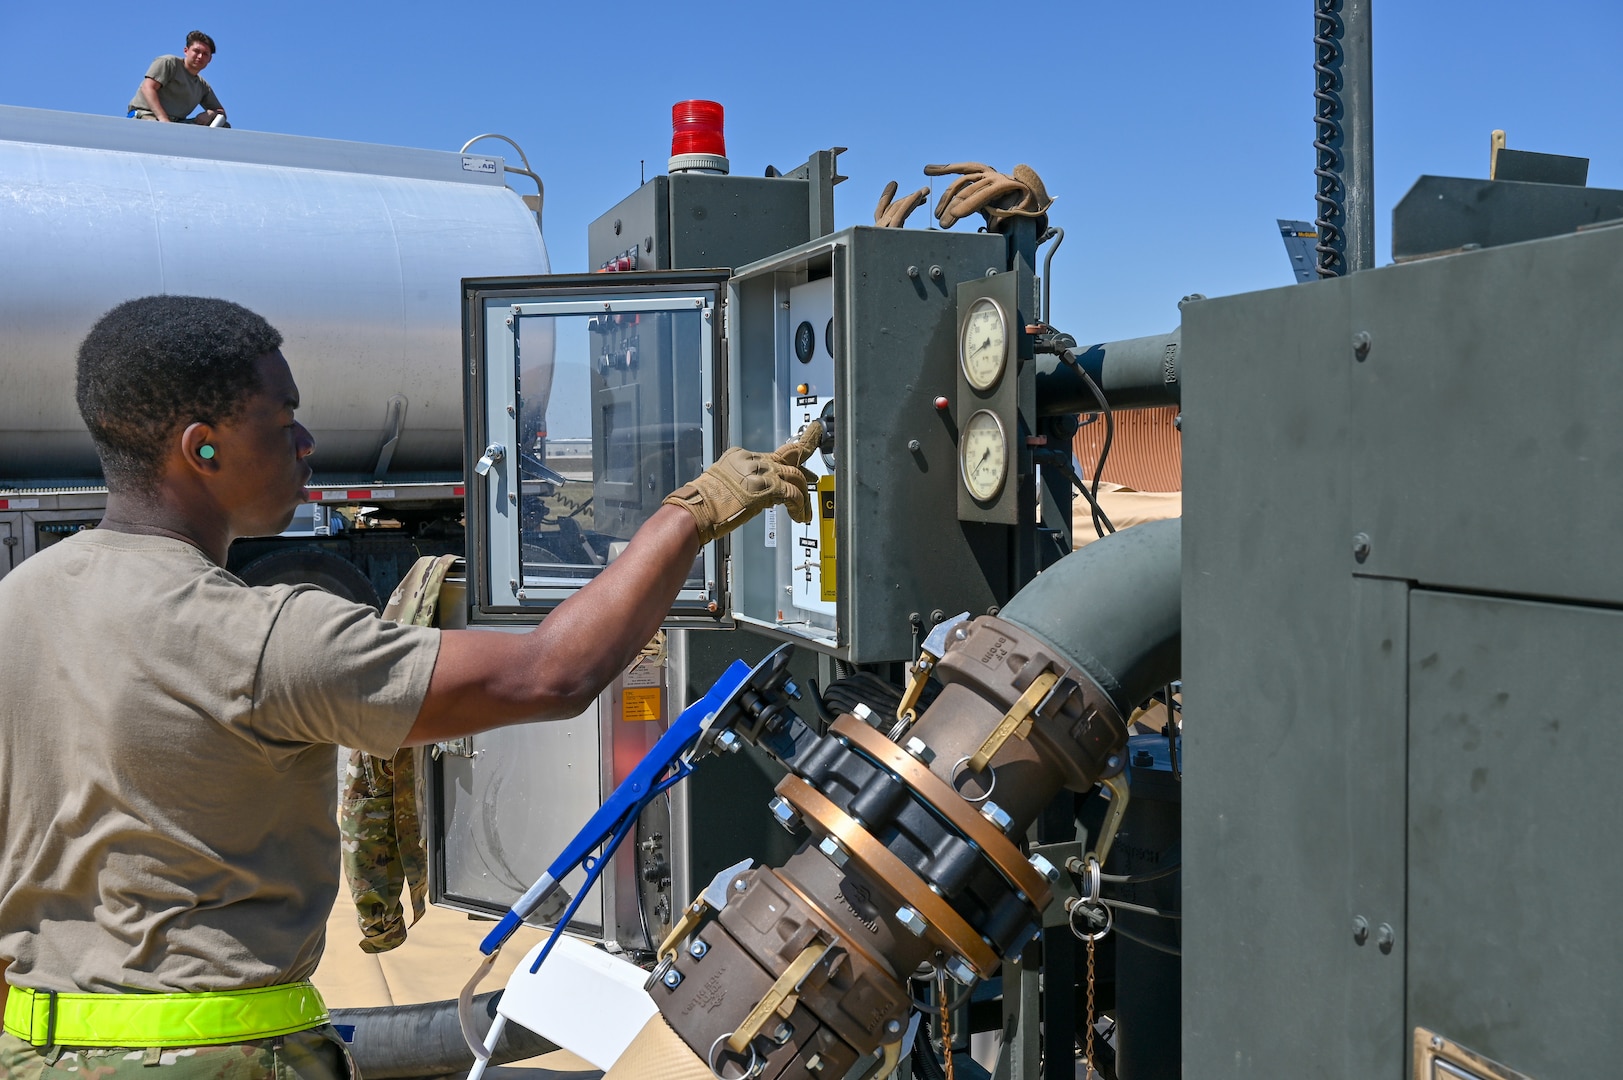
(1328, 32)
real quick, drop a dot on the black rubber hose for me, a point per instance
(392, 1042)
(1115, 609)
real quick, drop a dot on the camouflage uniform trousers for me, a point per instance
(317, 1054)
(382, 845)
(382, 837)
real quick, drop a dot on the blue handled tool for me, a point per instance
(615, 818)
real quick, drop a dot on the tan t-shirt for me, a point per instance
(179, 91)
(168, 768)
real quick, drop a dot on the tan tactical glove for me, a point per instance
(893, 215)
(982, 189)
(742, 483)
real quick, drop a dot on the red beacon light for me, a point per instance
(698, 139)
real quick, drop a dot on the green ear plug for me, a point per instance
(206, 452)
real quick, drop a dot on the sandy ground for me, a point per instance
(439, 955)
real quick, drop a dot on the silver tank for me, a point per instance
(355, 252)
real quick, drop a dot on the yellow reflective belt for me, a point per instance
(140, 1020)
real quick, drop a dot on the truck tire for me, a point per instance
(311, 566)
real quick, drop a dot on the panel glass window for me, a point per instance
(604, 401)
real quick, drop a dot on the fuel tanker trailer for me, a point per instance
(354, 251)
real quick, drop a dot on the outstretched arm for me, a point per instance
(485, 679)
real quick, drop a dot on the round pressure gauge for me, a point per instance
(983, 343)
(805, 342)
(983, 455)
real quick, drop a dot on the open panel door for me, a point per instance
(589, 399)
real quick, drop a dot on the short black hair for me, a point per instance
(198, 35)
(151, 366)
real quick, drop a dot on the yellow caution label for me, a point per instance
(825, 516)
(640, 703)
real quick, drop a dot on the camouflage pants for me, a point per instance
(307, 1055)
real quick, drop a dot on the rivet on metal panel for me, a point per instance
(1361, 343)
(913, 445)
(991, 271)
(1361, 546)
(1360, 930)
(616, 226)
(1177, 422)
(913, 272)
(511, 411)
(936, 273)
(648, 244)
(511, 497)
(784, 304)
(1385, 937)
(937, 616)
(513, 584)
(698, 301)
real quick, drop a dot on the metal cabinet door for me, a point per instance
(589, 399)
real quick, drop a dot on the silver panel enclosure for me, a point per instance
(354, 252)
(1331, 494)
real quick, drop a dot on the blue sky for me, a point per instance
(1172, 133)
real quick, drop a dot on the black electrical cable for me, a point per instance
(926, 1065)
(1069, 356)
(1098, 511)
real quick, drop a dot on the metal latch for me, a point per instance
(493, 453)
(462, 747)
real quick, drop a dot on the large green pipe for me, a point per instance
(1115, 609)
(1136, 373)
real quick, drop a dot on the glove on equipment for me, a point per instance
(893, 215)
(982, 189)
(742, 483)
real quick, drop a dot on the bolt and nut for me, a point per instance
(920, 750)
(785, 814)
(998, 816)
(698, 948)
(1045, 868)
(727, 741)
(911, 919)
(959, 971)
(672, 979)
(836, 854)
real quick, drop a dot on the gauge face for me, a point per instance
(983, 455)
(983, 344)
(805, 342)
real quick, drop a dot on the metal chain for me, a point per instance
(946, 1023)
(1087, 1046)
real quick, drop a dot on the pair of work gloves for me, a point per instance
(978, 189)
(742, 483)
